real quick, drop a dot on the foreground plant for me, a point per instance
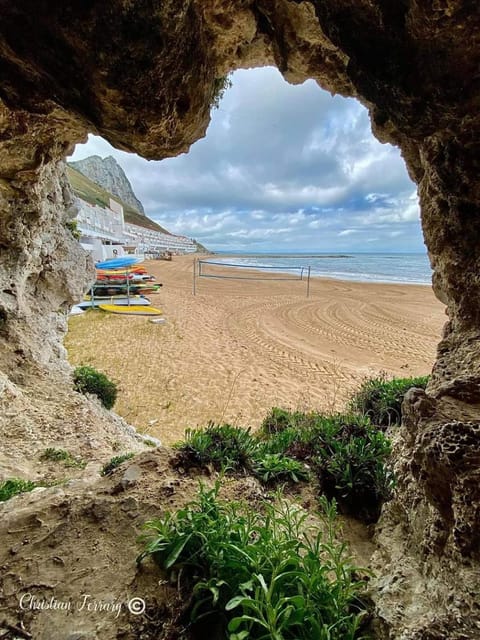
(259, 575)
(381, 399)
(348, 455)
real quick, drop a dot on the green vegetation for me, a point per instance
(381, 399)
(277, 420)
(114, 463)
(89, 380)
(72, 226)
(222, 446)
(60, 455)
(347, 454)
(275, 467)
(13, 486)
(258, 575)
(150, 443)
(220, 85)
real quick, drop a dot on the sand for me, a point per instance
(239, 347)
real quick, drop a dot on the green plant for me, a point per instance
(114, 463)
(258, 575)
(60, 455)
(13, 486)
(220, 85)
(223, 446)
(277, 420)
(275, 467)
(381, 399)
(150, 443)
(72, 226)
(89, 380)
(348, 454)
(355, 471)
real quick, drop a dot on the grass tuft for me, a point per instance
(60, 455)
(13, 486)
(223, 446)
(116, 461)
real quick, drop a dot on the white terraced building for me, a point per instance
(105, 233)
(155, 242)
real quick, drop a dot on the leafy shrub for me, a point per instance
(349, 456)
(114, 463)
(258, 575)
(275, 467)
(222, 446)
(60, 455)
(280, 419)
(89, 380)
(14, 486)
(355, 471)
(381, 399)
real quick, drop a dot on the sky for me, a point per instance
(282, 168)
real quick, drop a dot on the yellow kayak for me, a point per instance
(134, 310)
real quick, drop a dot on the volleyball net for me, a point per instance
(254, 272)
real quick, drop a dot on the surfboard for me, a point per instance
(137, 310)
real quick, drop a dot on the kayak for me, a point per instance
(121, 289)
(132, 310)
(118, 263)
(122, 301)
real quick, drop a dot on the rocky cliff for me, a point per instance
(107, 173)
(143, 75)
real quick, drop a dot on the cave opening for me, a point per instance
(286, 177)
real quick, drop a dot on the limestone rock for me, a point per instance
(109, 174)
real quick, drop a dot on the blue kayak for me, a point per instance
(118, 263)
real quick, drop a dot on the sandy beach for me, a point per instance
(239, 347)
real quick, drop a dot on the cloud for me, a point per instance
(281, 167)
(348, 232)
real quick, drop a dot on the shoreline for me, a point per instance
(240, 347)
(342, 277)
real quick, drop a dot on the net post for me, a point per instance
(194, 273)
(308, 282)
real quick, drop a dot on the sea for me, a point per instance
(406, 268)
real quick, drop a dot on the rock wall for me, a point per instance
(142, 74)
(109, 174)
